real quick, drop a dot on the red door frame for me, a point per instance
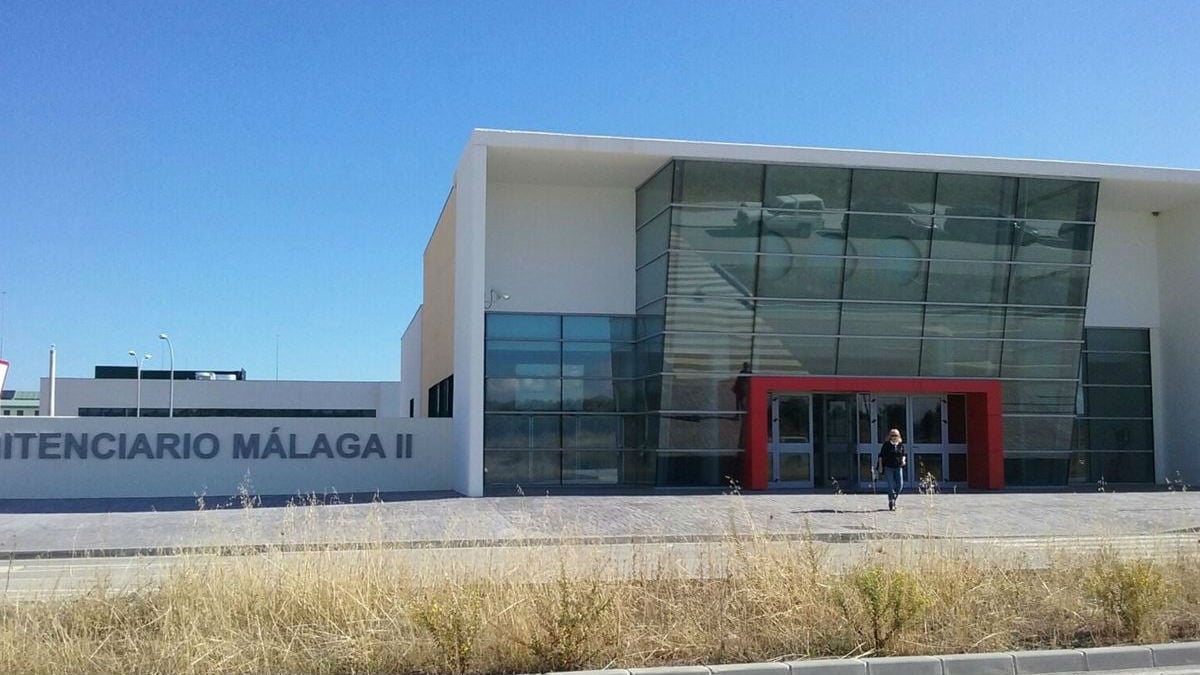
(985, 434)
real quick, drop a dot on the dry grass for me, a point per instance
(546, 609)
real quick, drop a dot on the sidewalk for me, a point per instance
(499, 521)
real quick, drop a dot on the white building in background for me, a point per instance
(603, 311)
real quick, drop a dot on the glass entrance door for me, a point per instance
(926, 441)
(934, 430)
(790, 446)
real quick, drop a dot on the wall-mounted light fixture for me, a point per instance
(493, 296)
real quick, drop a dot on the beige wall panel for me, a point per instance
(437, 314)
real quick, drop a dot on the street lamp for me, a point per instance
(138, 362)
(171, 403)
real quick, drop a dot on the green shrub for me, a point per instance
(879, 603)
(1129, 592)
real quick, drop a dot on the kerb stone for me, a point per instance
(1118, 658)
(828, 667)
(1178, 654)
(775, 668)
(1050, 661)
(905, 665)
(978, 664)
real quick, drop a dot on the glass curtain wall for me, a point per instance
(560, 405)
(814, 270)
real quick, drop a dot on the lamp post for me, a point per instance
(138, 363)
(171, 402)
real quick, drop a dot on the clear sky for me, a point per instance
(229, 172)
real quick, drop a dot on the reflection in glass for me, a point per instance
(704, 273)
(718, 183)
(804, 318)
(691, 392)
(797, 232)
(1044, 324)
(591, 468)
(698, 432)
(587, 359)
(964, 321)
(1044, 360)
(891, 413)
(651, 318)
(927, 419)
(794, 355)
(874, 356)
(1118, 339)
(506, 358)
(655, 194)
(800, 277)
(705, 353)
(891, 319)
(1037, 433)
(1054, 199)
(508, 467)
(966, 195)
(890, 236)
(597, 328)
(726, 315)
(1048, 285)
(883, 191)
(526, 326)
(1045, 241)
(520, 431)
(811, 188)
(521, 394)
(979, 282)
(592, 431)
(589, 395)
(708, 229)
(960, 358)
(1039, 397)
(653, 238)
(964, 238)
(795, 466)
(885, 279)
(652, 281)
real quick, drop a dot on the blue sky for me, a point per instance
(232, 172)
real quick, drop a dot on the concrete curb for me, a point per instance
(1179, 658)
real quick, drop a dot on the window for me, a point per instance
(441, 398)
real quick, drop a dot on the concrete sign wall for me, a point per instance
(54, 458)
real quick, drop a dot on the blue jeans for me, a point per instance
(895, 481)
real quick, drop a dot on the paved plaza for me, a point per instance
(450, 521)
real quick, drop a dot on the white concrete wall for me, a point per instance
(470, 222)
(75, 393)
(1123, 286)
(561, 248)
(37, 465)
(1179, 284)
(410, 367)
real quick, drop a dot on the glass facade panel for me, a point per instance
(1040, 360)
(726, 315)
(803, 318)
(1037, 433)
(1117, 368)
(867, 356)
(518, 467)
(655, 194)
(592, 468)
(652, 281)
(1044, 324)
(1117, 401)
(718, 183)
(1112, 435)
(698, 432)
(709, 229)
(705, 353)
(705, 273)
(712, 470)
(588, 395)
(506, 358)
(682, 392)
(803, 233)
(1118, 339)
(1112, 467)
(892, 319)
(885, 279)
(811, 188)
(592, 431)
(651, 318)
(882, 191)
(653, 238)
(587, 359)
(597, 328)
(980, 282)
(960, 358)
(1055, 199)
(985, 196)
(889, 236)
(1048, 285)
(794, 355)
(962, 321)
(972, 239)
(521, 394)
(1054, 242)
(649, 354)
(524, 326)
(800, 277)
(1039, 397)
(520, 431)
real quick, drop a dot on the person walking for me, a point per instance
(892, 460)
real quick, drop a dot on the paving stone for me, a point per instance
(1050, 661)
(828, 667)
(1118, 658)
(1176, 654)
(978, 664)
(905, 665)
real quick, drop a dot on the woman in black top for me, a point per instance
(892, 460)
